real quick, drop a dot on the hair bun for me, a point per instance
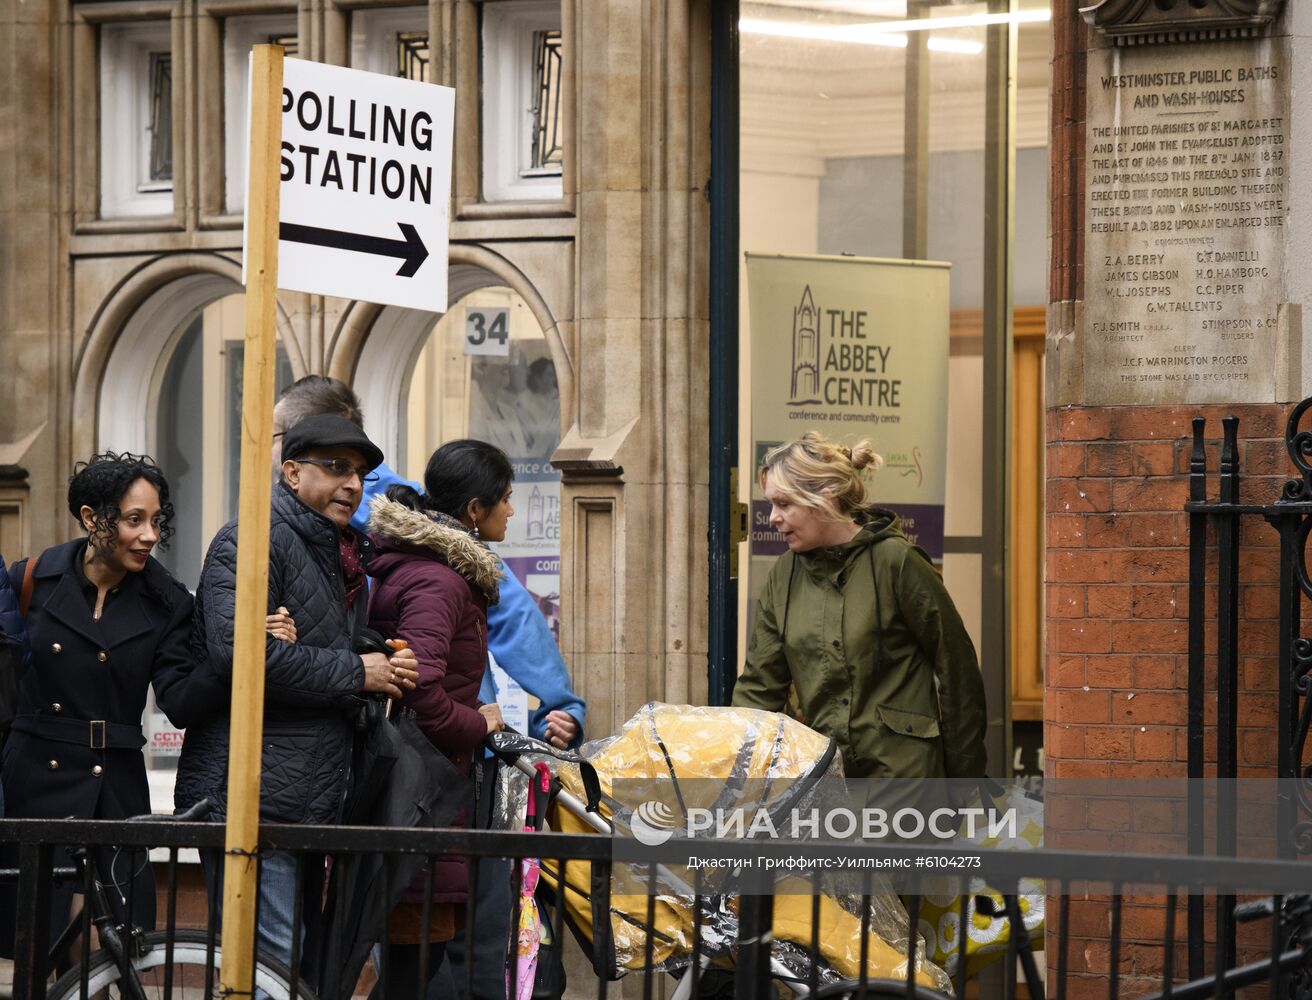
(405, 495)
(863, 456)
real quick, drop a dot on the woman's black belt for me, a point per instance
(95, 734)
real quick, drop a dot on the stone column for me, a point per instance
(634, 460)
(33, 277)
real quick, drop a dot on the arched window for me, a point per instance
(484, 371)
(198, 427)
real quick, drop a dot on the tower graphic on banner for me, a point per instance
(806, 351)
(536, 513)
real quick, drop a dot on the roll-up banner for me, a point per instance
(857, 349)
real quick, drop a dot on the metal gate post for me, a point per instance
(756, 918)
(1197, 640)
(32, 920)
(722, 613)
(1227, 685)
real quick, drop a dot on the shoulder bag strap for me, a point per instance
(29, 582)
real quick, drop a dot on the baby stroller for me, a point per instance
(666, 763)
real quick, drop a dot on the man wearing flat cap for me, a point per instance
(312, 684)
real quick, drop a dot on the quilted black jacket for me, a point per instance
(310, 687)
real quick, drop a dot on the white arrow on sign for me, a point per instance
(366, 183)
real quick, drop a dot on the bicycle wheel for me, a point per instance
(181, 979)
(875, 989)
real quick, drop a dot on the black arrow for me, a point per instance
(411, 249)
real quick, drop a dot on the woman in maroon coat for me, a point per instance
(433, 581)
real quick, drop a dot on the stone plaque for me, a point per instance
(1186, 195)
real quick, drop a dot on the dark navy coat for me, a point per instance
(75, 745)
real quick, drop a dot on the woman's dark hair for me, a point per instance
(101, 481)
(458, 472)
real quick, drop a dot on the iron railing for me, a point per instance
(1223, 516)
(1065, 872)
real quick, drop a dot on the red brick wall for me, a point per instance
(1117, 588)
(1117, 631)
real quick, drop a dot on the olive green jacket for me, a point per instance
(879, 657)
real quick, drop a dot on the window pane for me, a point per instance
(239, 34)
(862, 129)
(522, 137)
(412, 55)
(136, 119)
(161, 116)
(199, 417)
(546, 107)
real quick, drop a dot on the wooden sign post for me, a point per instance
(242, 838)
(382, 242)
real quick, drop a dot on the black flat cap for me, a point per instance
(328, 430)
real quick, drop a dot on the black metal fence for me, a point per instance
(1220, 518)
(732, 941)
(174, 962)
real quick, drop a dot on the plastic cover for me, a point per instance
(723, 758)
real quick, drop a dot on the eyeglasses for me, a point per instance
(340, 468)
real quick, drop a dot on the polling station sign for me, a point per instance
(855, 348)
(365, 171)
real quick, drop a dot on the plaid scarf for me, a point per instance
(348, 548)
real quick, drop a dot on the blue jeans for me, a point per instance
(276, 908)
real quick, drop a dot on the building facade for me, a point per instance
(577, 259)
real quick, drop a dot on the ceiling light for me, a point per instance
(820, 32)
(960, 45)
(962, 21)
(890, 33)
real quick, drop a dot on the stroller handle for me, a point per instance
(511, 747)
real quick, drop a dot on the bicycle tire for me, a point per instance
(189, 953)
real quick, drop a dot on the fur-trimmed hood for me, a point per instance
(396, 526)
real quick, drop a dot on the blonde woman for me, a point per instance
(858, 621)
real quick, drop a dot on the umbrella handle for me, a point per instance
(540, 785)
(397, 645)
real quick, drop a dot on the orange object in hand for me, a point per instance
(399, 644)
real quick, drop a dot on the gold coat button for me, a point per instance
(53, 765)
(56, 708)
(97, 770)
(102, 656)
(56, 648)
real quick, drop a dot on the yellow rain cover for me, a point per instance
(725, 746)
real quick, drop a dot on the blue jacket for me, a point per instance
(517, 635)
(11, 622)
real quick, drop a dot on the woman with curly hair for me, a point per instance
(105, 621)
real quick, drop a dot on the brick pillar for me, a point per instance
(1117, 639)
(1117, 586)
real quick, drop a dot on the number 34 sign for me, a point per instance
(487, 331)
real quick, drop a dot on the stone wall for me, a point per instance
(616, 271)
(31, 278)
